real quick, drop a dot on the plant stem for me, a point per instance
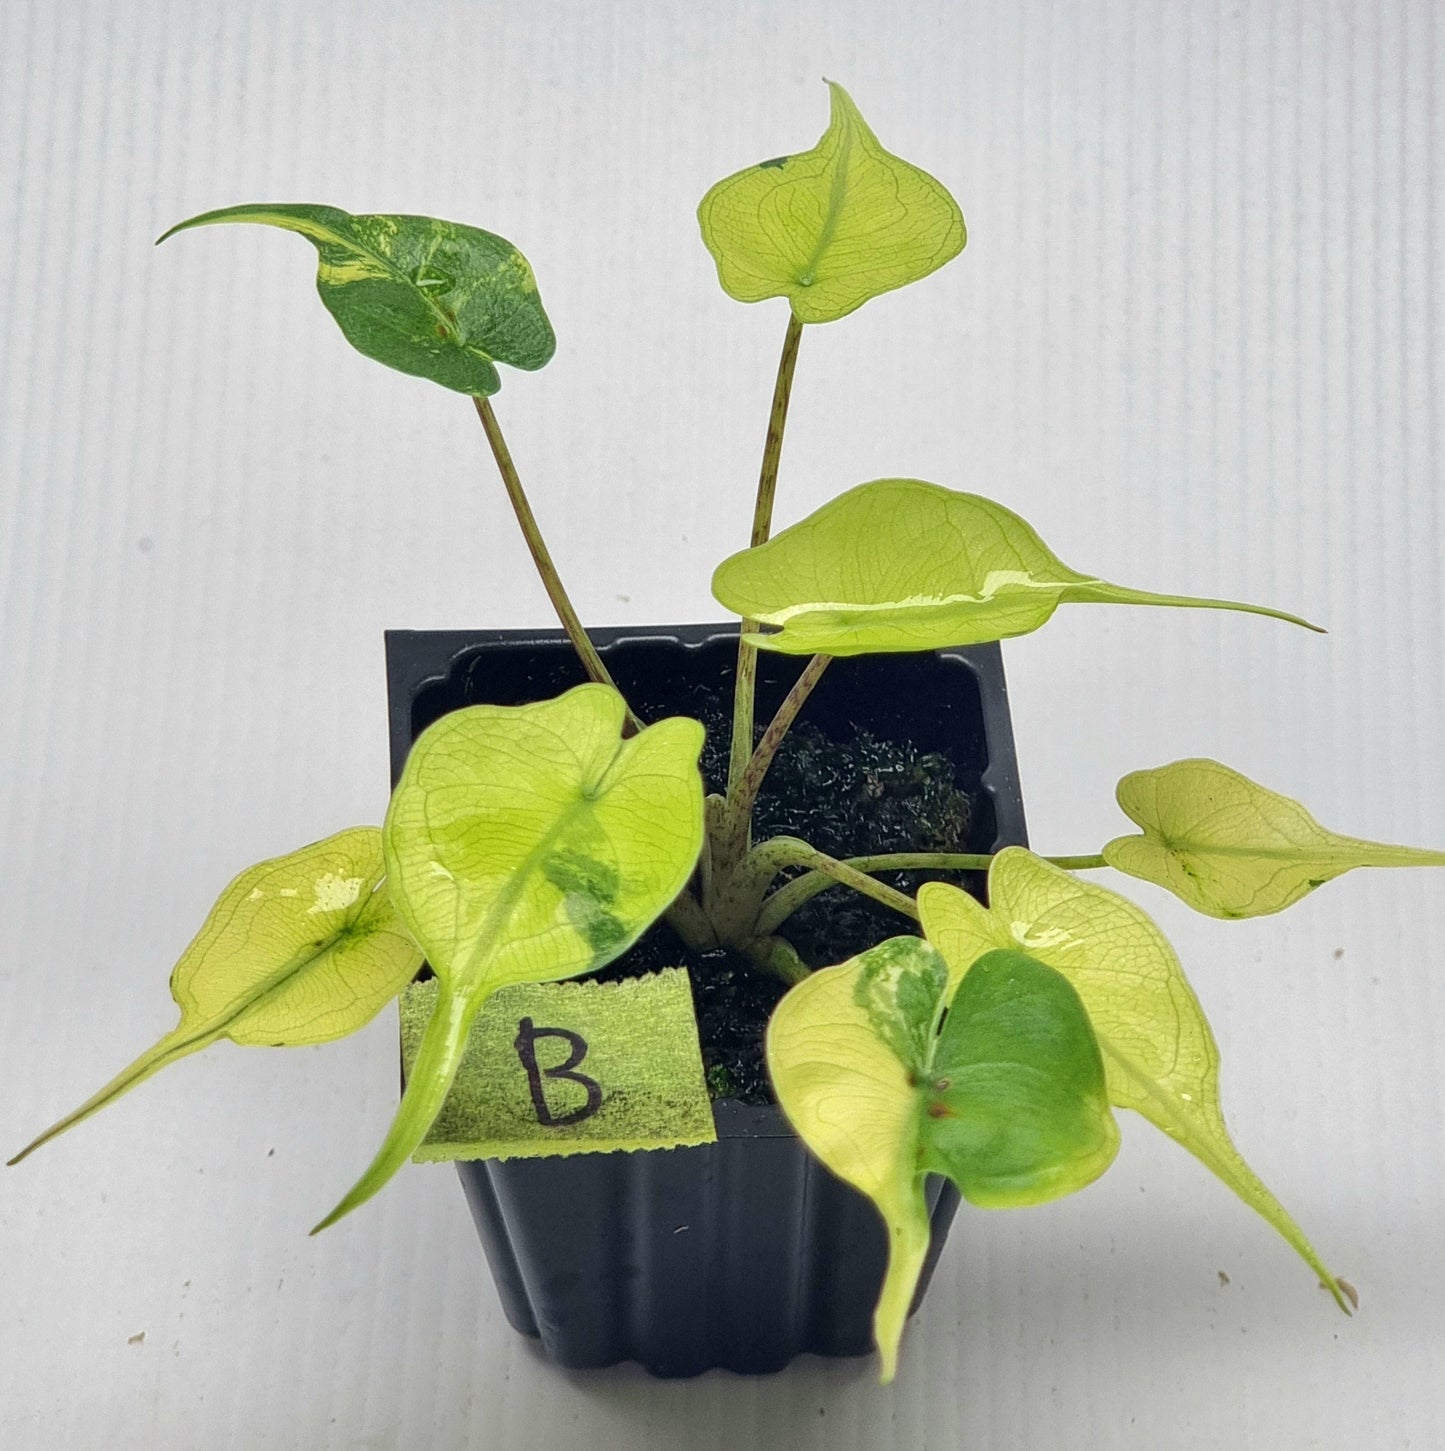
(551, 580)
(791, 851)
(740, 801)
(747, 672)
(781, 905)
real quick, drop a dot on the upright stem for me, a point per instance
(551, 580)
(741, 802)
(742, 742)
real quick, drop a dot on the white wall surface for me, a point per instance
(1196, 338)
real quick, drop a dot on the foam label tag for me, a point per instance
(570, 1068)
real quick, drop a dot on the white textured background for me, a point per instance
(1196, 338)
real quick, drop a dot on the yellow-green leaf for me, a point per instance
(1229, 847)
(302, 949)
(1007, 1100)
(435, 299)
(527, 844)
(832, 227)
(898, 564)
(1159, 1053)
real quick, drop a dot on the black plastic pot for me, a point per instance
(744, 1253)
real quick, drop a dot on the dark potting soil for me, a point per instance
(848, 797)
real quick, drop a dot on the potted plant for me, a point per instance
(533, 839)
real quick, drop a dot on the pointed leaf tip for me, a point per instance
(829, 228)
(432, 298)
(1231, 848)
(299, 950)
(1008, 1100)
(528, 844)
(853, 577)
(1159, 1053)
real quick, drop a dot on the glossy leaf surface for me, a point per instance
(898, 564)
(302, 949)
(1159, 1052)
(527, 844)
(832, 227)
(436, 299)
(1008, 1100)
(1231, 848)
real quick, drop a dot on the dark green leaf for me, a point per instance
(432, 298)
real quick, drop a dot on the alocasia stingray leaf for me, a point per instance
(432, 298)
(898, 564)
(1231, 848)
(298, 950)
(831, 227)
(526, 844)
(1159, 1053)
(1007, 1100)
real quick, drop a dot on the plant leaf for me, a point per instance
(1230, 848)
(1008, 1100)
(427, 297)
(301, 949)
(832, 227)
(526, 844)
(1159, 1053)
(898, 564)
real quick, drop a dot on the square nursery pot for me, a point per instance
(744, 1253)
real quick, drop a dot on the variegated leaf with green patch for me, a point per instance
(527, 844)
(301, 949)
(832, 227)
(899, 564)
(436, 299)
(1007, 1100)
(1159, 1053)
(1231, 848)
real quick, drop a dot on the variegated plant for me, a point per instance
(535, 843)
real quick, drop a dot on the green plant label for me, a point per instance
(832, 227)
(1231, 848)
(527, 844)
(898, 564)
(1159, 1053)
(570, 1068)
(302, 949)
(1007, 1099)
(427, 297)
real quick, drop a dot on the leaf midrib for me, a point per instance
(473, 975)
(1347, 854)
(836, 192)
(387, 265)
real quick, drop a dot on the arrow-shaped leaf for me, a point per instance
(1158, 1050)
(432, 298)
(831, 227)
(302, 949)
(526, 844)
(1230, 848)
(1008, 1100)
(898, 564)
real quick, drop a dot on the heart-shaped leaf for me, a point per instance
(432, 298)
(302, 949)
(1159, 1053)
(831, 227)
(1231, 848)
(898, 564)
(526, 844)
(1007, 1100)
